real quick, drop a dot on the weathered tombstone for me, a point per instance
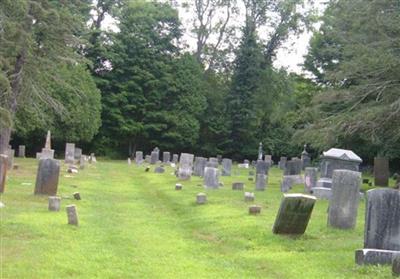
(154, 157)
(268, 159)
(305, 158)
(199, 165)
(10, 158)
(213, 160)
(343, 204)
(47, 177)
(336, 159)
(185, 166)
(254, 209)
(396, 266)
(261, 181)
(159, 170)
(237, 186)
(3, 172)
(382, 227)
(201, 198)
(92, 158)
(47, 154)
(178, 186)
(77, 153)
(246, 162)
(148, 159)
(82, 162)
(294, 214)
(219, 157)
(77, 196)
(381, 171)
(166, 157)
(262, 167)
(54, 203)
(212, 164)
(248, 196)
(72, 215)
(226, 167)
(282, 163)
(293, 167)
(138, 157)
(211, 178)
(21, 151)
(175, 158)
(310, 179)
(69, 153)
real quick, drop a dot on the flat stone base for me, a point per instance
(375, 256)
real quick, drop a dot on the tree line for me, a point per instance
(139, 86)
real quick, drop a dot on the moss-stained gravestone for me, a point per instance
(381, 171)
(294, 214)
(47, 177)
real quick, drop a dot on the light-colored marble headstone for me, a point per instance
(185, 166)
(69, 153)
(226, 167)
(211, 178)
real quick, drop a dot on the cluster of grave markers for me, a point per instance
(339, 182)
(48, 173)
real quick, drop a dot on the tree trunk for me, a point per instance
(5, 135)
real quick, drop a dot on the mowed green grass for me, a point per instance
(134, 224)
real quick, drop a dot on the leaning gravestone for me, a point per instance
(382, 227)
(294, 214)
(154, 157)
(261, 181)
(47, 177)
(3, 172)
(310, 179)
(199, 165)
(185, 166)
(21, 151)
(381, 171)
(166, 157)
(226, 167)
(139, 157)
(211, 178)
(262, 167)
(343, 204)
(69, 153)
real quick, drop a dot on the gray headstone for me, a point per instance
(47, 177)
(289, 180)
(148, 159)
(21, 151)
(261, 181)
(47, 154)
(310, 179)
(77, 196)
(54, 203)
(82, 162)
(237, 186)
(10, 158)
(381, 171)
(154, 157)
(201, 198)
(226, 167)
(343, 205)
(77, 153)
(185, 166)
(166, 157)
(282, 163)
(382, 227)
(139, 157)
(69, 153)
(321, 193)
(212, 164)
(294, 214)
(293, 167)
(175, 158)
(211, 176)
(72, 215)
(199, 165)
(262, 167)
(219, 157)
(3, 172)
(213, 160)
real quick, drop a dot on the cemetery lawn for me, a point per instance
(134, 224)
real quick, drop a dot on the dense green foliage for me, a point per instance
(224, 97)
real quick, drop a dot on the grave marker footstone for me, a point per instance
(382, 227)
(72, 215)
(226, 167)
(211, 178)
(159, 170)
(238, 186)
(178, 187)
(54, 203)
(3, 172)
(201, 198)
(294, 214)
(343, 204)
(381, 171)
(254, 209)
(47, 177)
(248, 196)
